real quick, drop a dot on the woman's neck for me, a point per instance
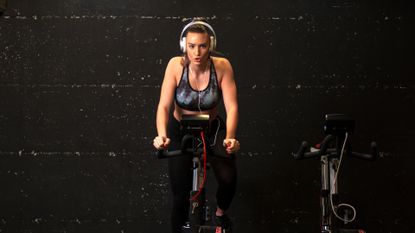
(200, 69)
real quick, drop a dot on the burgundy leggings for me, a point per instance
(223, 165)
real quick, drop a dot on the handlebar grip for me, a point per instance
(361, 156)
(312, 154)
(325, 143)
(371, 157)
(300, 154)
(162, 154)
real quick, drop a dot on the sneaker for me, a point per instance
(186, 228)
(224, 222)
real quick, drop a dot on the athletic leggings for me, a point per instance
(222, 164)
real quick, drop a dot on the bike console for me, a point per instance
(338, 124)
(194, 123)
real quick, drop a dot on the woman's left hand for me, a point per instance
(232, 145)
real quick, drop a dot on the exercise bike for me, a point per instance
(193, 144)
(336, 144)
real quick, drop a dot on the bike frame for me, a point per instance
(328, 187)
(193, 126)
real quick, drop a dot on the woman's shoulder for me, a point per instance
(175, 64)
(177, 61)
(221, 63)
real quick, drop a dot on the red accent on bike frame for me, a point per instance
(204, 168)
(218, 230)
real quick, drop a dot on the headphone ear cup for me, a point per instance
(212, 43)
(183, 44)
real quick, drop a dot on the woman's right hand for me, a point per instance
(161, 142)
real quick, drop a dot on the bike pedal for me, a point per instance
(207, 215)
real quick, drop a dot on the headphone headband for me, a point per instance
(197, 22)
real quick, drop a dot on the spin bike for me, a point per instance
(193, 144)
(337, 128)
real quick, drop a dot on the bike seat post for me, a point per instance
(333, 166)
(325, 192)
(194, 125)
(325, 175)
(196, 174)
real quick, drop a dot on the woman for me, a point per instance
(196, 82)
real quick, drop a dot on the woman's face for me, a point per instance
(197, 47)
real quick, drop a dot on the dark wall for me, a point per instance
(79, 83)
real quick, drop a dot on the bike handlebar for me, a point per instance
(162, 154)
(304, 152)
(374, 154)
(184, 149)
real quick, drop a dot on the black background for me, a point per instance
(80, 81)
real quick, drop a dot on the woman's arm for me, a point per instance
(166, 99)
(229, 93)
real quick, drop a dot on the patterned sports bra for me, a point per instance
(193, 100)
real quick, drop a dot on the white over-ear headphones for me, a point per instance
(212, 45)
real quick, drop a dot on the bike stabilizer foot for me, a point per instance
(351, 231)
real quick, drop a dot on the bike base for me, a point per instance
(206, 229)
(351, 231)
